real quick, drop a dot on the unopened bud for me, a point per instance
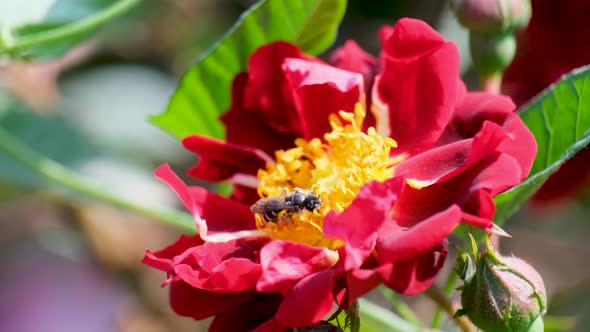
(492, 16)
(502, 293)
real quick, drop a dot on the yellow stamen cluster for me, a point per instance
(334, 169)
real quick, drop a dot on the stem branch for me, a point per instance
(56, 173)
(68, 30)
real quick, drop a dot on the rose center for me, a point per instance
(335, 170)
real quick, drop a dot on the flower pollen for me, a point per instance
(334, 169)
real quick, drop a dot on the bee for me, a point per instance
(290, 202)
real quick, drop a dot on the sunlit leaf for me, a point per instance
(204, 91)
(559, 117)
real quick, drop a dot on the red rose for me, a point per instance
(391, 193)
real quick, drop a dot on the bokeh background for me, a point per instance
(72, 264)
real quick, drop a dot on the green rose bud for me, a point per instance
(501, 293)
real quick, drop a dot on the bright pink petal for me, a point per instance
(419, 85)
(231, 266)
(397, 244)
(284, 263)
(219, 160)
(358, 225)
(319, 90)
(249, 315)
(309, 301)
(416, 274)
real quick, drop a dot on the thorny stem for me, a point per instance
(442, 301)
(8, 45)
(58, 174)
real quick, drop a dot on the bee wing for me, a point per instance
(275, 203)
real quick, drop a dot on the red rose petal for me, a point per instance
(231, 266)
(249, 127)
(358, 225)
(309, 301)
(191, 198)
(478, 107)
(419, 85)
(416, 274)
(222, 214)
(352, 57)
(198, 303)
(397, 244)
(319, 90)
(249, 315)
(219, 160)
(284, 263)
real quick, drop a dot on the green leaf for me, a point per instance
(204, 90)
(67, 23)
(559, 117)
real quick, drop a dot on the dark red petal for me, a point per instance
(230, 266)
(249, 315)
(416, 274)
(284, 263)
(358, 225)
(198, 304)
(191, 198)
(309, 301)
(162, 260)
(319, 90)
(250, 127)
(396, 244)
(419, 85)
(267, 92)
(219, 160)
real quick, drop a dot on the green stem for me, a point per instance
(69, 30)
(443, 302)
(384, 317)
(62, 176)
(447, 290)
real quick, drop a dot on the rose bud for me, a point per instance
(501, 293)
(492, 16)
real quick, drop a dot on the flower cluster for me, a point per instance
(395, 147)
